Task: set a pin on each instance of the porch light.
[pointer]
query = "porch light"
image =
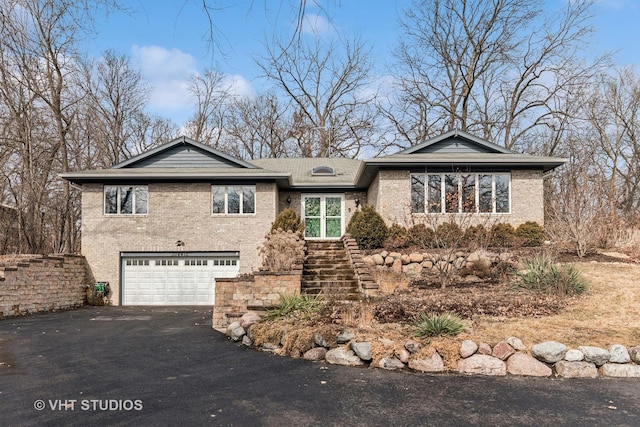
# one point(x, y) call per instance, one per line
point(357, 200)
point(288, 200)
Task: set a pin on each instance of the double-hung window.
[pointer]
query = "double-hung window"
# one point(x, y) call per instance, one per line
point(126, 200)
point(460, 193)
point(233, 199)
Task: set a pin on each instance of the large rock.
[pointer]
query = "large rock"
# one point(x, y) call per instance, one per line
point(413, 269)
point(405, 259)
point(619, 354)
point(412, 346)
point(388, 261)
point(483, 365)
point(620, 371)
point(484, 348)
point(402, 355)
point(395, 255)
point(468, 348)
point(430, 364)
point(596, 355)
point(574, 355)
point(247, 341)
point(315, 354)
point(250, 318)
point(235, 331)
point(567, 369)
point(377, 259)
point(634, 352)
point(362, 350)
point(549, 351)
point(516, 343)
point(416, 257)
point(523, 364)
point(502, 351)
point(344, 337)
point(343, 356)
point(319, 340)
point(397, 265)
point(390, 363)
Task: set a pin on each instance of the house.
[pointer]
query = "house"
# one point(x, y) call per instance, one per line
point(161, 226)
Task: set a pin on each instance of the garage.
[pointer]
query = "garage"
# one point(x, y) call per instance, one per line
point(174, 279)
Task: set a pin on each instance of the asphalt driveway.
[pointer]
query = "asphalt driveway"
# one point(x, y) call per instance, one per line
point(166, 366)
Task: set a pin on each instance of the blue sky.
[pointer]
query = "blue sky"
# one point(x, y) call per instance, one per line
point(167, 39)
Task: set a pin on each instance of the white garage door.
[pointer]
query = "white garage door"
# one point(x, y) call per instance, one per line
point(174, 280)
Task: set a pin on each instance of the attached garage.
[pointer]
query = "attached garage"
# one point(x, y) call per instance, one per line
point(174, 279)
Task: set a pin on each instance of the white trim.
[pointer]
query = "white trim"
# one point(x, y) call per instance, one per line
point(323, 216)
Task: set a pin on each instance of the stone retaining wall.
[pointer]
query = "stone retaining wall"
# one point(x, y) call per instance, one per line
point(237, 296)
point(43, 284)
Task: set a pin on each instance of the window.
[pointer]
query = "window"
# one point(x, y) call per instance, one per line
point(323, 170)
point(233, 199)
point(460, 193)
point(125, 200)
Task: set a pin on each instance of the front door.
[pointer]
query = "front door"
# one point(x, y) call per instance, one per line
point(323, 216)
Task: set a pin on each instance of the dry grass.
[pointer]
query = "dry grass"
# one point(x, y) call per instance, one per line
point(390, 281)
point(608, 314)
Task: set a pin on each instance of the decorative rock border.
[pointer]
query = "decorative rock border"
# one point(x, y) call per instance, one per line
point(511, 356)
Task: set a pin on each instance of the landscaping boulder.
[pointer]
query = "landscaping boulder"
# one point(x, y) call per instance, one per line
point(574, 355)
point(416, 257)
point(397, 265)
point(413, 269)
point(429, 364)
point(483, 365)
point(247, 341)
point(315, 354)
point(620, 371)
point(468, 348)
point(362, 350)
point(484, 348)
point(516, 343)
point(377, 259)
point(619, 354)
point(402, 355)
point(596, 355)
point(390, 363)
point(634, 353)
point(235, 331)
point(523, 364)
point(567, 369)
point(502, 350)
point(549, 351)
point(343, 356)
point(344, 337)
point(319, 340)
point(413, 346)
point(250, 318)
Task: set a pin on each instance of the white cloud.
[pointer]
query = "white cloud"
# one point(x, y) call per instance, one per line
point(239, 86)
point(168, 71)
point(316, 25)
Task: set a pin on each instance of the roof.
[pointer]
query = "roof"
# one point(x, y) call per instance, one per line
point(346, 170)
point(184, 159)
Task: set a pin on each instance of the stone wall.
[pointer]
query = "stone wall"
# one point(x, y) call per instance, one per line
point(237, 296)
point(43, 284)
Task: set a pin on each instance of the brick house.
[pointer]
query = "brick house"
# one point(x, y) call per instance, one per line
point(161, 226)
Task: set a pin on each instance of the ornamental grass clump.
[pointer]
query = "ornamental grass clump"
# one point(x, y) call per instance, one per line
point(433, 325)
point(296, 305)
point(541, 274)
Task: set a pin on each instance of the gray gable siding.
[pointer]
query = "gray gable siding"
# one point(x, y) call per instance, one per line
point(183, 156)
point(456, 146)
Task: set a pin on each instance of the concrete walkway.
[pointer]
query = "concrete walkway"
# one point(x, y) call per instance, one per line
point(166, 366)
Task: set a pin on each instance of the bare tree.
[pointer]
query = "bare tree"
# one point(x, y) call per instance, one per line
point(494, 68)
point(327, 84)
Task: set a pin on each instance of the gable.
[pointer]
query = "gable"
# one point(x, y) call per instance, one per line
point(456, 142)
point(183, 153)
point(183, 156)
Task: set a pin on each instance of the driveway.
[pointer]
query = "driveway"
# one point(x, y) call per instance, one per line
point(166, 366)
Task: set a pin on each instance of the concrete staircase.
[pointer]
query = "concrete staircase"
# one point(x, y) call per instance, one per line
point(328, 271)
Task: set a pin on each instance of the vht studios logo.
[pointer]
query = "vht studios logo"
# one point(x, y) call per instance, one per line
point(88, 405)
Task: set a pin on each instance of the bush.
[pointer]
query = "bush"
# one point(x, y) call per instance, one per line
point(296, 305)
point(288, 220)
point(397, 237)
point(477, 236)
point(368, 228)
point(503, 235)
point(448, 235)
point(541, 274)
point(282, 250)
point(433, 325)
point(530, 233)
point(421, 235)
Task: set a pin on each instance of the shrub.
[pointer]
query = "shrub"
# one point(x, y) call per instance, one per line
point(477, 236)
point(397, 236)
point(421, 235)
point(541, 274)
point(295, 305)
point(368, 228)
point(531, 233)
point(282, 250)
point(503, 234)
point(288, 220)
point(433, 325)
point(448, 234)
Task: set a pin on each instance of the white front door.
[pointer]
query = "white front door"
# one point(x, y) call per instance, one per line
point(323, 216)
